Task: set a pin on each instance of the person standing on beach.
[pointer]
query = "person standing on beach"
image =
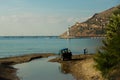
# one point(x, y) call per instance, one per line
point(85, 51)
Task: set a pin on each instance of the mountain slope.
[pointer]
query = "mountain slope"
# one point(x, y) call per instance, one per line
point(93, 26)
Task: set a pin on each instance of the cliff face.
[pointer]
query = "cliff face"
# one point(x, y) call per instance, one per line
point(95, 26)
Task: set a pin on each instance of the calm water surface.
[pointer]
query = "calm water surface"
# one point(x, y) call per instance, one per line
point(41, 69)
point(12, 46)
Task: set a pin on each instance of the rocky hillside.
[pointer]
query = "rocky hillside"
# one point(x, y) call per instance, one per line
point(95, 26)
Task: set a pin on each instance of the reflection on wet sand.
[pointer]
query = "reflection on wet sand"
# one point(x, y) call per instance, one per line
point(65, 68)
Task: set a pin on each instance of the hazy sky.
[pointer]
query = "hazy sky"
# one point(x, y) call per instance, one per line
point(46, 17)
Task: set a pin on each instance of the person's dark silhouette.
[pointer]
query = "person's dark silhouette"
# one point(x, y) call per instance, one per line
point(85, 51)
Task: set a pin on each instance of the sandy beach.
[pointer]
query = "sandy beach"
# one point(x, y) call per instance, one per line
point(81, 66)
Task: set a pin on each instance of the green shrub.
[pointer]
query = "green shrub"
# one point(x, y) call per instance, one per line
point(107, 57)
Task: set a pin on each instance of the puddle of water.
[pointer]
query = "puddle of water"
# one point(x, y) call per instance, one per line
point(41, 69)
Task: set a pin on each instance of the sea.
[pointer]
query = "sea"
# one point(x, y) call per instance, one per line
point(20, 45)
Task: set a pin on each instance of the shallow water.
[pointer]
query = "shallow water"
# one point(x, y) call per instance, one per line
point(41, 69)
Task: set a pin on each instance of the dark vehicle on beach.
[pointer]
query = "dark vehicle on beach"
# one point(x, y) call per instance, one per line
point(65, 54)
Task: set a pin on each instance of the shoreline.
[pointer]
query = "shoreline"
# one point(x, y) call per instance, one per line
point(8, 72)
point(81, 66)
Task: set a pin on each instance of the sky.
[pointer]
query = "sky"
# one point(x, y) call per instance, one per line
point(46, 17)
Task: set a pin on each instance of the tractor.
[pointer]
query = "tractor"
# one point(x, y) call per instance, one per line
point(65, 54)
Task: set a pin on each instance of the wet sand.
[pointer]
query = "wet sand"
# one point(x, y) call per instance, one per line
point(81, 66)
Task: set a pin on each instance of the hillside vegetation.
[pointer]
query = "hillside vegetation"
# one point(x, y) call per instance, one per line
point(95, 26)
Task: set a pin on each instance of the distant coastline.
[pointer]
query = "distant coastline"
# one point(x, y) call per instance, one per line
point(71, 37)
point(77, 37)
point(29, 36)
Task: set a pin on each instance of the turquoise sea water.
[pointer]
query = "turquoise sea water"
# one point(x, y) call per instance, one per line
point(20, 45)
